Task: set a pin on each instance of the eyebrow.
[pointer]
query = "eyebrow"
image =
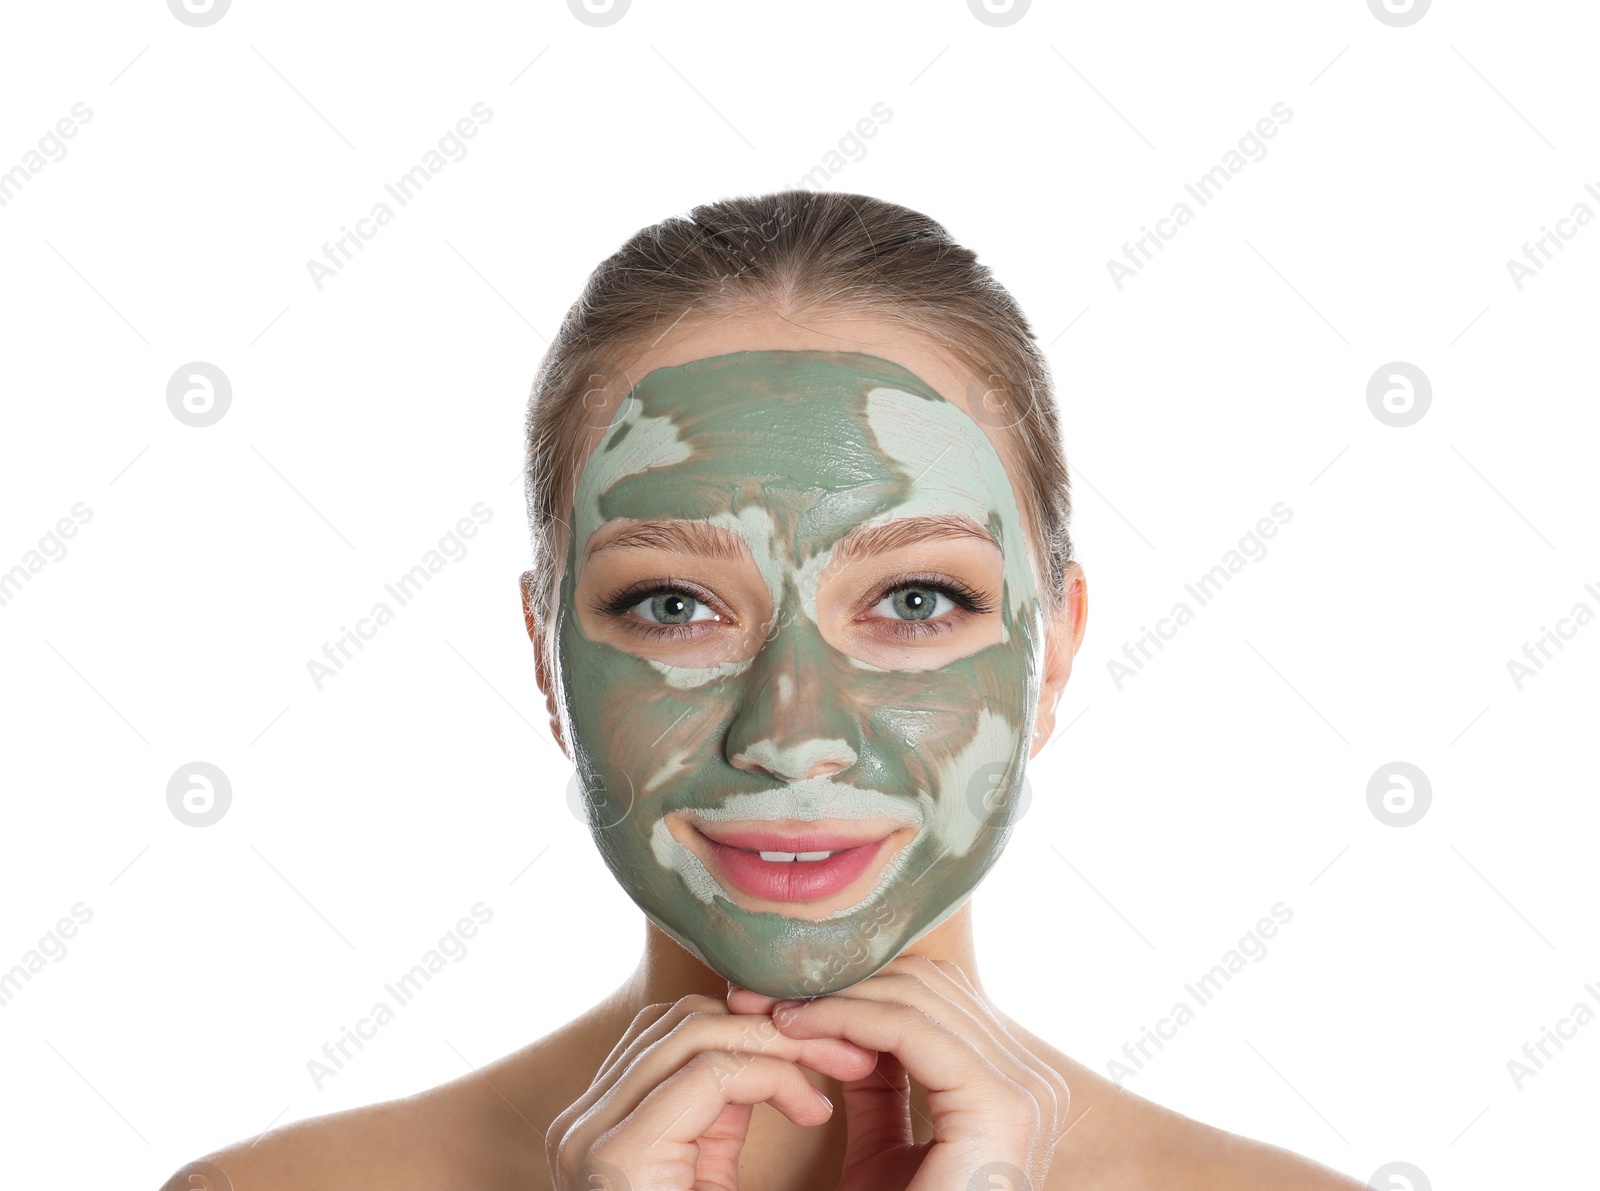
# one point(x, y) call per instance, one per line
point(878, 537)
point(683, 537)
point(710, 541)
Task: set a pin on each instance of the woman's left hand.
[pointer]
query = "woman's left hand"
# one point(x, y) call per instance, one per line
point(997, 1110)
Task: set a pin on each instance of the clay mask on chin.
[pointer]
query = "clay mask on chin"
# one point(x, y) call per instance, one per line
point(791, 451)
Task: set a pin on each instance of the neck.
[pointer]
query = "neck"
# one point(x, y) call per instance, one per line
point(667, 972)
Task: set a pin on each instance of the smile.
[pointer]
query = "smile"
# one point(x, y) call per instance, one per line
point(805, 865)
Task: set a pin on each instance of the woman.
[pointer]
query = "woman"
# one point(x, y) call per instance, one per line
point(803, 604)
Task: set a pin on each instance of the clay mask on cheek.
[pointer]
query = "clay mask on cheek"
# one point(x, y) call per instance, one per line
point(791, 451)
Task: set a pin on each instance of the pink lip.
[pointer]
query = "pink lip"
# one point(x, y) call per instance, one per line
point(735, 853)
point(774, 841)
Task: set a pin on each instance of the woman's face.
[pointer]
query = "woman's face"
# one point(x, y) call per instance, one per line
point(799, 650)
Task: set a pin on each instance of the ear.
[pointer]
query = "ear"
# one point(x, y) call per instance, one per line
point(541, 663)
point(1065, 636)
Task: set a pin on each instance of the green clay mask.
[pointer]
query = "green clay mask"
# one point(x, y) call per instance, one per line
point(750, 641)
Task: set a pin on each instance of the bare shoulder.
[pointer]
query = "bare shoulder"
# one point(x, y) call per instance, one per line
point(1119, 1141)
point(376, 1145)
point(484, 1130)
point(1200, 1157)
point(442, 1137)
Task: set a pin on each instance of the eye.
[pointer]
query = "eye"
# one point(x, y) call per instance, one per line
point(919, 602)
point(659, 609)
point(671, 607)
point(918, 608)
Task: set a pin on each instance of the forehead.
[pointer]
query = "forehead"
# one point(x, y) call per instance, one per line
point(821, 440)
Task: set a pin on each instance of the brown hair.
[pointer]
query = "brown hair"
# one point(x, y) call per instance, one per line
point(797, 250)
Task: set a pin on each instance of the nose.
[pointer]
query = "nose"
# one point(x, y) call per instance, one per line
point(795, 763)
point(794, 722)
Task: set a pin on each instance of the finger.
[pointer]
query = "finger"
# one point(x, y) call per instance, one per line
point(719, 1147)
point(746, 1034)
point(933, 1054)
point(945, 993)
point(877, 1106)
point(989, 1105)
point(1043, 1080)
point(1048, 1086)
point(913, 985)
point(660, 1026)
point(877, 1111)
point(1055, 1094)
point(642, 1021)
point(649, 1025)
point(979, 1113)
point(699, 1024)
point(745, 1000)
point(709, 1108)
point(667, 1124)
point(1004, 1102)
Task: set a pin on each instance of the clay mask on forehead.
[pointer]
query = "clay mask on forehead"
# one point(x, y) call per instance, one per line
point(790, 451)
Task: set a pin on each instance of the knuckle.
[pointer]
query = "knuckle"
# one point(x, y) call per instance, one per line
point(709, 1027)
point(689, 1023)
point(1063, 1112)
point(564, 1160)
point(642, 1019)
point(1018, 1100)
point(957, 973)
point(915, 1019)
point(760, 1031)
point(720, 1065)
point(1063, 1092)
point(701, 1004)
point(606, 1149)
point(562, 1130)
point(1050, 1107)
point(706, 1059)
point(1037, 1113)
point(907, 980)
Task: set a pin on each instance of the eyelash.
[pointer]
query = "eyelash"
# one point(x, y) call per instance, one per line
point(628, 598)
point(971, 602)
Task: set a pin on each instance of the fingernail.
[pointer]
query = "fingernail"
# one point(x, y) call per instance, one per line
point(824, 1099)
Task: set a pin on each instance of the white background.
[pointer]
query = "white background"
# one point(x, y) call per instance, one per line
point(371, 414)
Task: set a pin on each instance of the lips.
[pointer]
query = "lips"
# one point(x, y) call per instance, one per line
point(794, 867)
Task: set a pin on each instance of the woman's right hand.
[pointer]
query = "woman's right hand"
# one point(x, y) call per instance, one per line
point(670, 1106)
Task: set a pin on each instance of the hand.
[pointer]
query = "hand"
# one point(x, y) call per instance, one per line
point(997, 1110)
point(670, 1106)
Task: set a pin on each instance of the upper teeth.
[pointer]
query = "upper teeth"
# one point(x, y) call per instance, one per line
point(785, 856)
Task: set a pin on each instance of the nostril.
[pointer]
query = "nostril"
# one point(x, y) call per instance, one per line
point(825, 769)
point(740, 761)
point(794, 762)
